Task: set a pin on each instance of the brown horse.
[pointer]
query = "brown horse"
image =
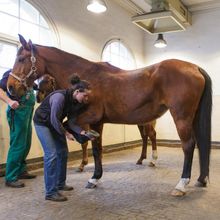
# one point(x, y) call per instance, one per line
point(47, 84)
point(130, 97)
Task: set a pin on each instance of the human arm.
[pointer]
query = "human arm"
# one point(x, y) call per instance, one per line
point(12, 103)
point(57, 101)
point(74, 127)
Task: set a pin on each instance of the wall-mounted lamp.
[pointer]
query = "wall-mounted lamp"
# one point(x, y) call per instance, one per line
point(96, 6)
point(160, 42)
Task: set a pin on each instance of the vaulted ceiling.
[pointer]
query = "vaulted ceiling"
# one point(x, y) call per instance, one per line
point(150, 17)
point(142, 6)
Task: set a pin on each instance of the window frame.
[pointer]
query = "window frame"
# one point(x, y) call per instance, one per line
point(120, 41)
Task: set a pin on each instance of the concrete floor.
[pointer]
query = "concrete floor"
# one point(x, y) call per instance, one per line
point(127, 191)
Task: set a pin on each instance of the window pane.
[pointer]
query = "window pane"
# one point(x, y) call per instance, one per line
point(28, 12)
point(115, 48)
point(123, 50)
point(118, 55)
point(2, 71)
point(115, 60)
point(25, 20)
point(9, 6)
point(11, 26)
point(30, 31)
point(46, 37)
point(43, 22)
point(106, 56)
point(7, 56)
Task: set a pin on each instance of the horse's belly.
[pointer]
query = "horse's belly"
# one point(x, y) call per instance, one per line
point(138, 116)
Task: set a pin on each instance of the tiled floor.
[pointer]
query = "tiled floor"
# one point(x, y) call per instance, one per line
point(126, 191)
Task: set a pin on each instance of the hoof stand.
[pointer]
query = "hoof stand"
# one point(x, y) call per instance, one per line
point(177, 193)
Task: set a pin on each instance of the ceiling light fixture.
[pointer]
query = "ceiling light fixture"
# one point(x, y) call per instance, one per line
point(96, 6)
point(160, 42)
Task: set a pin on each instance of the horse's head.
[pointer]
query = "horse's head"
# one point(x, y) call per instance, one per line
point(47, 84)
point(27, 68)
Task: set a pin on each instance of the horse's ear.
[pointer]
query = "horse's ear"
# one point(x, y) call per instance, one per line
point(23, 42)
point(30, 45)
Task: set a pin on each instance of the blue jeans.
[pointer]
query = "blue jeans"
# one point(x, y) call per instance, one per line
point(55, 158)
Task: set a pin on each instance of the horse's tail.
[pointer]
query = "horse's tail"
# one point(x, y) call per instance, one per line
point(202, 127)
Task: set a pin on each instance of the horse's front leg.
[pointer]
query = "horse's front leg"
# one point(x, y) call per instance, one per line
point(84, 161)
point(84, 146)
point(144, 136)
point(97, 154)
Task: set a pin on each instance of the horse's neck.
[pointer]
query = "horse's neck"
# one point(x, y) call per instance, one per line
point(61, 65)
point(60, 62)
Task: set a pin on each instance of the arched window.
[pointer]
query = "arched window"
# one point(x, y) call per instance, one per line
point(117, 54)
point(19, 16)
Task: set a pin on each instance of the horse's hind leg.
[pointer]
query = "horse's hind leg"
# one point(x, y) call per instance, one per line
point(185, 132)
point(144, 135)
point(152, 136)
point(84, 161)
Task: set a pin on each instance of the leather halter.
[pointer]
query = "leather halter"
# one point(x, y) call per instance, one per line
point(33, 70)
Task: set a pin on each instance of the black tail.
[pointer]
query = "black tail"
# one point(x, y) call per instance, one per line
point(202, 127)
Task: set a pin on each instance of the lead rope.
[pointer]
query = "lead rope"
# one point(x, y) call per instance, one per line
point(12, 113)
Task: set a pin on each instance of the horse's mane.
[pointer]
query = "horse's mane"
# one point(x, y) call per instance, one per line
point(105, 66)
point(69, 57)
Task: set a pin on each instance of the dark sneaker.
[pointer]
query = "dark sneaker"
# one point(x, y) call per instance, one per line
point(26, 175)
point(56, 198)
point(14, 184)
point(65, 188)
point(91, 134)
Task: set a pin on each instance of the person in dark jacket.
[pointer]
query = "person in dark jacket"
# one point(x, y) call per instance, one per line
point(52, 133)
point(19, 117)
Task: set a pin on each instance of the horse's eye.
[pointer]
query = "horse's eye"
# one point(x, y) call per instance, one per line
point(21, 59)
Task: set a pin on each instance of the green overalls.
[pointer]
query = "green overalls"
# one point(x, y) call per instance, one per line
point(20, 123)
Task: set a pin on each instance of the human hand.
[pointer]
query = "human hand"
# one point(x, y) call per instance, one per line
point(83, 132)
point(69, 136)
point(13, 104)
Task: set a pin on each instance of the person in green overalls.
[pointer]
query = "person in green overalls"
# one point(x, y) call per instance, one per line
point(19, 116)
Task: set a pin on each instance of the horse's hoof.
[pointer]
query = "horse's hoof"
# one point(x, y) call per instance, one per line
point(79, 169)
point(139, 162)
point(177, 193)
point(90, 185)
point(151, 164)
point(200, 184)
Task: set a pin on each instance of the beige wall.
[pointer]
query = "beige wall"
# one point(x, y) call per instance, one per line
point(199, 44)
point(83, 33)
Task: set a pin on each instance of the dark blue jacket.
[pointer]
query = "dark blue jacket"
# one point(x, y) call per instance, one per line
point(55, 107)
point(3, 84)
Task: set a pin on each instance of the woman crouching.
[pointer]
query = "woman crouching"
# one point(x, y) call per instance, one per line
point(48, 122)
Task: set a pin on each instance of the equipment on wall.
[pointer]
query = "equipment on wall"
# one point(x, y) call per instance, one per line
point(165, 16)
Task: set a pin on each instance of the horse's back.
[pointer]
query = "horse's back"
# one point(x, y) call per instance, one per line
point(178, 76)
